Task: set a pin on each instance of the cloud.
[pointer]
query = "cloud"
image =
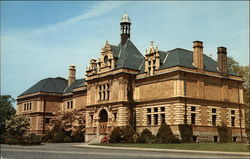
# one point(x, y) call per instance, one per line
point(95, 11)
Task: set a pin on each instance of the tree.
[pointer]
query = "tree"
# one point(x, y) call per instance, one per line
point(243, 71)
point(17, 126)
point(6, 111)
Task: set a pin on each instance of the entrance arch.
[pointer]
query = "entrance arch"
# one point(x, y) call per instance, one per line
point(103, 121)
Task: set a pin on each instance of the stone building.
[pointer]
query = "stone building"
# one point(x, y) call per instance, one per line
point(124, 86)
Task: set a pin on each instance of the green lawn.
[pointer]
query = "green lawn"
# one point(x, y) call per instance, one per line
point(228, 147)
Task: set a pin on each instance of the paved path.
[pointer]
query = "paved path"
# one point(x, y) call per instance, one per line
point(80, 151)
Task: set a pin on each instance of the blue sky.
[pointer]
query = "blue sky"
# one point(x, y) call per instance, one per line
point(41, 39)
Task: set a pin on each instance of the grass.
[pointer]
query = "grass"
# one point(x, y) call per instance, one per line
point(228, 147)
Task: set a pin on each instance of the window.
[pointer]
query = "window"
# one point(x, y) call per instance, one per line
point(149, 63)
point(232, 112)
point(194, 138)
point(234, 138)
point(149, 119)
point(69, 104)
point(47, 120)
point(156, 119)
point(213, 110)
point(162, 118)
point(106, 60)
point(27, 106)
point(163, 109)
point(214, 120)
point(193, 118)
point(149, 110)
point(193, 108)
point(115, 116)
point(153, 62)
point(104, 92)
point(155, 109)
point(91, 118)
point(215, 138)
point(232, 121)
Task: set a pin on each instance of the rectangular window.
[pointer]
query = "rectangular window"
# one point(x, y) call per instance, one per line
point(162, 118)
point(149, 119)
point(149, 110)
point(71, 104)
point(156, 119)
point(91, 118)
point(163, 109)
point(234, 138)
point(232, 121)
point(47, 120)
point(67, 105)
point(214, 120)
point(213, 110)
point(215, 138)
point(193, 118)
point(193, 108)
point(30, 106)
point(232, 112)
point(115, 116)
point(155, 109)
point(24, 108)
point(149, 63)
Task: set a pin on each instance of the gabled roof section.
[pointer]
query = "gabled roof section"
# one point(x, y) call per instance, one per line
point(48, 85)
point(129, 56)
point(76, 84)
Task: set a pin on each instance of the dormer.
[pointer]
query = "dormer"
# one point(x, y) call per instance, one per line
point(152, 60)
point(107, 61)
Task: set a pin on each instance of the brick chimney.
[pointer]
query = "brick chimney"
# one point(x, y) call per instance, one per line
point(72, 74)
point(222, 59)
point(198, 54)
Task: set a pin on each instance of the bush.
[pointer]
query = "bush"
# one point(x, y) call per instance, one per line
point(165, 134)
point(47, 136)
point(225, 134)
point(78, 137)
point(31, 139)
point(12, 141)
point(141, 139)
point(115, 136)
point(186, 132)
point(59, 137)
point(127, 134)
point(67, 139)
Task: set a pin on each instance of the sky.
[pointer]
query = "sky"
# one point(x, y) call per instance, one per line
point(41, 39)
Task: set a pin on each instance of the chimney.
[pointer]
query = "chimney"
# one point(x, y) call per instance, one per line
point(198, 54)
point(222, 59)
point(72, 74)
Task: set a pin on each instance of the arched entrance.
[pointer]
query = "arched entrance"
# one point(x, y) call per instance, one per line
point(103, 121)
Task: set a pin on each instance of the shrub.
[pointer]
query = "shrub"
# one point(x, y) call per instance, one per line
point(12, 141)
point(47, 136)
point(186, 132)
point(127, 134)
point(59, 137)
point(165, 134)
point(78, 137)
point(115, 136)
point(67, 139)
point(224, 133)
point(141, 139)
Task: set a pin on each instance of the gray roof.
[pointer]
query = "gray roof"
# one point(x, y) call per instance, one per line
point(76, 84)
point(128, 56)
point(184, 58)
point(48, 85)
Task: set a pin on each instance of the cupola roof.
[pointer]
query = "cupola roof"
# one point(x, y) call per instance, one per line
point(125, 18)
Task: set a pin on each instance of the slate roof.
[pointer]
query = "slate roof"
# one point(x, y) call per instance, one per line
point(48, 85)
point(128, 56)
point(76, 84)
point(184, 58)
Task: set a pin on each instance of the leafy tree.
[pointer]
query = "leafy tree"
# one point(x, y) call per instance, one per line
point(186, 132)
point(244, 72)
point(17, 126)
point(6, 111)
point(225, 133)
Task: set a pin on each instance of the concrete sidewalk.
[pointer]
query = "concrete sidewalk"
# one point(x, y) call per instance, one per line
point(236, 154)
